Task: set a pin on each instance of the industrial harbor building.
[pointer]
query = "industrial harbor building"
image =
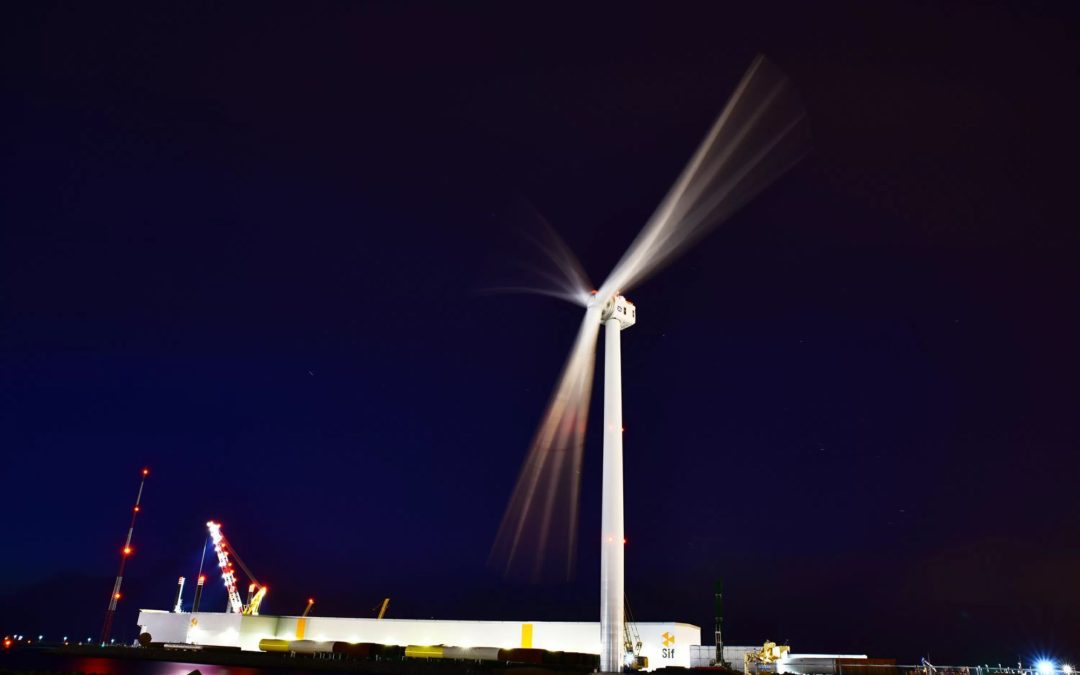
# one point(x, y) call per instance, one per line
point(664, 643)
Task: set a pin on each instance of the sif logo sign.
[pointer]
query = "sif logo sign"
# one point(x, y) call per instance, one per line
point(668, 652)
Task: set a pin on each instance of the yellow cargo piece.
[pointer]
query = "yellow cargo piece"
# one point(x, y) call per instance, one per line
point(274, 645)
point(423, 652)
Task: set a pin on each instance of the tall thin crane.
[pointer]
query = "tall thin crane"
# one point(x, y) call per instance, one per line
point(632, 641)
point(106, 629)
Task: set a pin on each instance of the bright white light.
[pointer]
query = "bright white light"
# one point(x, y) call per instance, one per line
point(1067, 669)
point(1045, 667)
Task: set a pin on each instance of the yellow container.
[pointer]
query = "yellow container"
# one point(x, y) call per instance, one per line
point(274, 645)
point(419, 652)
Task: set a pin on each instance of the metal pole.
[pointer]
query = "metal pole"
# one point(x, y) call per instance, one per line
point(200, 579)
point(718, 613)
point(177, 606)
point(198, 594)
point(612, 597)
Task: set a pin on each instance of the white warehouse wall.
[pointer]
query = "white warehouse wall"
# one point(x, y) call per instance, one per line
point(665, 644)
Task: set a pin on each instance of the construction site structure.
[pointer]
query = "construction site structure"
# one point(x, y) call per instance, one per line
point(256, 591)
point(770, 652)
point(632, 642)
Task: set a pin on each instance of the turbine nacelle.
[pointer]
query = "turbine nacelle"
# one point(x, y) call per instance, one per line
point(618, 307)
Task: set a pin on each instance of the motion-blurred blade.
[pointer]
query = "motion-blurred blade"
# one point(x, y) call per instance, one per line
point(538, 535)
point(760, 134)
point(561, 274)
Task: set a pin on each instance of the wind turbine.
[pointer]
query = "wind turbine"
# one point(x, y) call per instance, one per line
point(759, 135)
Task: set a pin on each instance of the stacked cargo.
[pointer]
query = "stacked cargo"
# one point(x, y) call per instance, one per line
point(371, 650)
point(423, 652)
point(471, 653)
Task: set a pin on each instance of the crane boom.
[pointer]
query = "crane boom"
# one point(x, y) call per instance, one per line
point(228, 574)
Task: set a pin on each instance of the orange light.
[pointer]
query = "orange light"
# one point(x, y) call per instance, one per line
point(251, 588)
point(7, 643)
point(202, 578)
point(311, 601)
point(146, 472)
point(136, 509)
point(116, 595)
point(127, 550)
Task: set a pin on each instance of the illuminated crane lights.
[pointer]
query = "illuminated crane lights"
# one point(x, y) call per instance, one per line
point(228, 575)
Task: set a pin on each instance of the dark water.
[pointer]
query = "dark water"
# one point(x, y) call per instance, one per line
point(32, 660)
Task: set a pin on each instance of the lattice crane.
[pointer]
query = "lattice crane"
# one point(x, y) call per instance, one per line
point(228, 574)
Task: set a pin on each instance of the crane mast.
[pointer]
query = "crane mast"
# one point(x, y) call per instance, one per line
point(228, 574)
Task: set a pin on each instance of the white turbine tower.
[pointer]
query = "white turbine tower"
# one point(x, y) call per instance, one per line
point(618, 314)
point(758, 136)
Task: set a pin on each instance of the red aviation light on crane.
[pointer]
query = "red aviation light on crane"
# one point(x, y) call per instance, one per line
point(146, 472)
point(202, 578)
point(127, 550)
point(116, 595)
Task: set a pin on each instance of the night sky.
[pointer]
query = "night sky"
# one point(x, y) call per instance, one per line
point(247, 245)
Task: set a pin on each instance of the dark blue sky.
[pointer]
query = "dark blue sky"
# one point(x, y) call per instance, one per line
point(245, 245)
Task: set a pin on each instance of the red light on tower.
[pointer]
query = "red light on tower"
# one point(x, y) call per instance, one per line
point(116, 596)
point(127, 550)
point(146, 472)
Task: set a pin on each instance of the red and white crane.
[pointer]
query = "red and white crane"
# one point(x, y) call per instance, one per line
point(228, 574)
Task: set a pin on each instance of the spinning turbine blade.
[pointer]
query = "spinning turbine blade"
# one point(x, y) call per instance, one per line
point(563, 277)
point(760, 134)
point(571, 283)
point(538, 535)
